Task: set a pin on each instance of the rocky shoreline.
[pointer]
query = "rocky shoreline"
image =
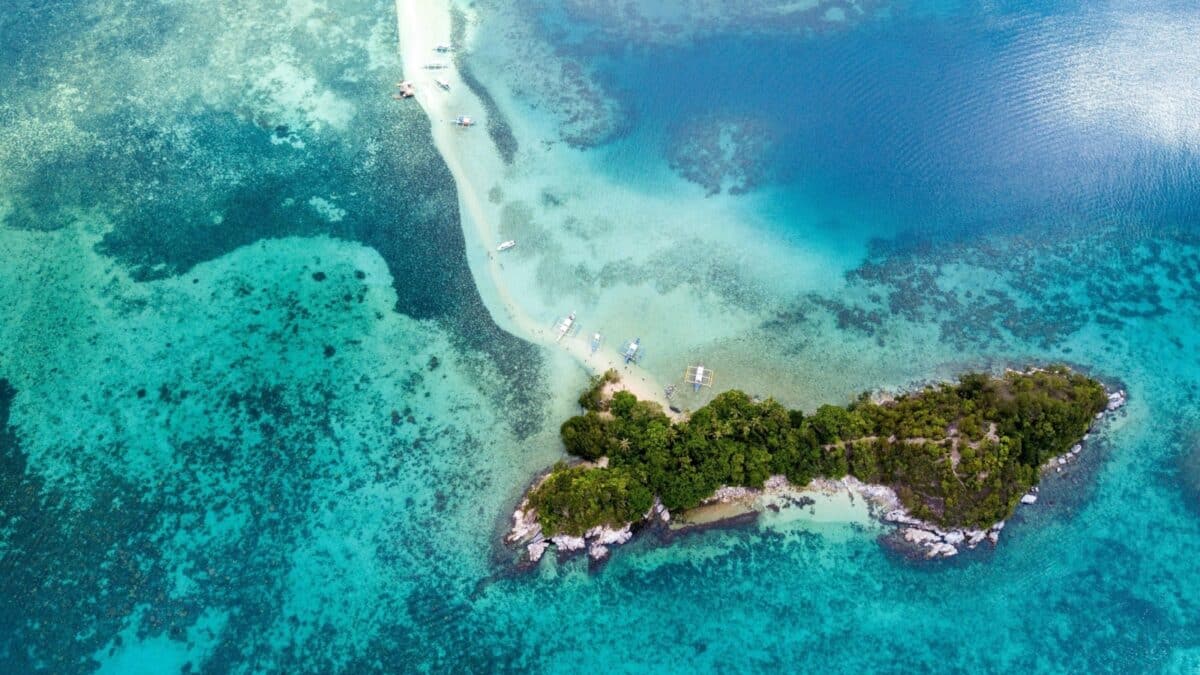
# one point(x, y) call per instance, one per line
point(912, 536)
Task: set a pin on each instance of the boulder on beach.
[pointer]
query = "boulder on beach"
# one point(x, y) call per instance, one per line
point(1029, 499)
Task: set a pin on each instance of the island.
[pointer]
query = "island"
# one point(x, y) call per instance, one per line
point(948, 463)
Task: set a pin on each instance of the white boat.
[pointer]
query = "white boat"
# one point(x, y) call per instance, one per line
point(504, 246)
point(564, 327)
point(632, 351)
point(596, 339)
point(464, 121)
point(442, 83)
point(442, 49)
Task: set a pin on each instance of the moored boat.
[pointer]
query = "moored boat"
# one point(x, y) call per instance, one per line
point(504, 246)
point(565, 327)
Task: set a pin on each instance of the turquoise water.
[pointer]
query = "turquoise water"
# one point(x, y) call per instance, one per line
point(255, 417)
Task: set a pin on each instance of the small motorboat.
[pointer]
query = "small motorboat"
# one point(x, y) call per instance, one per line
point(504, 246)
point(443, 49)
point(464, 121)
point(441, 82)
point(596, 340)
point(407, 90)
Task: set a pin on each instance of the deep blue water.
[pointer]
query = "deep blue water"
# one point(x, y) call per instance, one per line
point(935, 125)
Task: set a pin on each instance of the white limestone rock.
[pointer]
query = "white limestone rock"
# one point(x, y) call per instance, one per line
point(1115, 400)
point(902, 517)
point(536, 550)
point(954, 537)
point(915, 536)
point(565, 542)
point(1029, 499)
point(940, 550)
point(525, 524)
point(604, 535)
point(597, 551)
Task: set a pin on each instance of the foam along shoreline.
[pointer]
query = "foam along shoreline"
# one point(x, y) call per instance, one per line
point(475, 162)
point(737, 505)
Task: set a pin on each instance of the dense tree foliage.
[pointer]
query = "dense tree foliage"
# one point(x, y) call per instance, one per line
point(573, 500)
point(959, 455)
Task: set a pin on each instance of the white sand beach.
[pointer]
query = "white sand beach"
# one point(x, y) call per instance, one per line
point(475, 163)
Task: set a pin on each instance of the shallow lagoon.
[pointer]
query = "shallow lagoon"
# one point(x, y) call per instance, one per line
point(191, 475)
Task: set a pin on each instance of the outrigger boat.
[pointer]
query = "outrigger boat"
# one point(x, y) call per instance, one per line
point(632, 351)
point(442, 83)
point(507, 245)
point(596, 339)
point(464, 121)
point(436, 66)
point(442, 49)
point(698, 376)
point(565, 327)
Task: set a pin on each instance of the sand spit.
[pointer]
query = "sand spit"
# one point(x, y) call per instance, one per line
point(475, 162)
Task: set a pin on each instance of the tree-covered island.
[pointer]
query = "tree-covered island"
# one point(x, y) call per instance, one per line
point(957, 455)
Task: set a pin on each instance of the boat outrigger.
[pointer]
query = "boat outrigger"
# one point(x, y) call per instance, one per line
point(698, 376)
point(464, 121)
point(565, 327)
point(632, 351)
point(441, 82)
point(596, 340)
point(504, 246)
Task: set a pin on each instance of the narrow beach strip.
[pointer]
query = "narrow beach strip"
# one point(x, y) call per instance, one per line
point(475, 163)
